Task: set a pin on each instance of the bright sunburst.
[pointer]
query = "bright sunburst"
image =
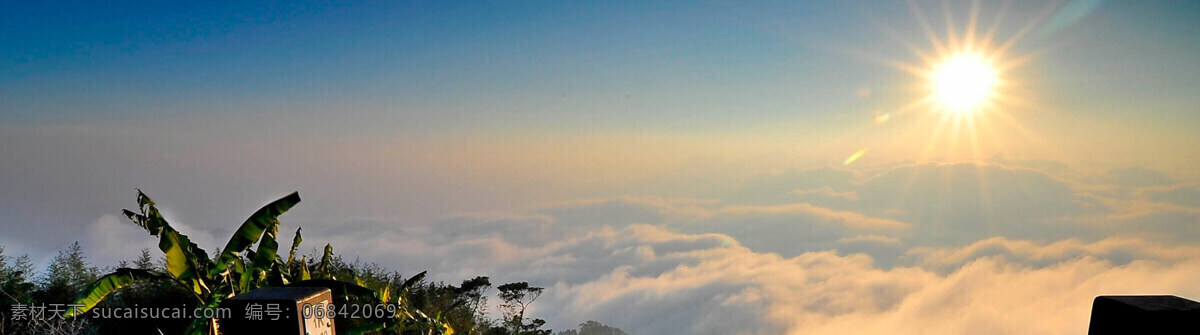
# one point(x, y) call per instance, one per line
point(963, 83)
point(965, 93)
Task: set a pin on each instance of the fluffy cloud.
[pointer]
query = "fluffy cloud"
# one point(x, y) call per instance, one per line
point(111, 239)
point(1117, 250)
point(733, 290)
point(650, 279)
point(984, 248)
point(787, 229)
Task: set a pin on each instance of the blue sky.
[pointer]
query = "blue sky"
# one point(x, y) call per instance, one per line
point(660, 141)
point(669, 66)
point(564, 64)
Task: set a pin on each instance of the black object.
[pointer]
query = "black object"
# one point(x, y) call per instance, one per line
point(1144, 314)
point(279, 310)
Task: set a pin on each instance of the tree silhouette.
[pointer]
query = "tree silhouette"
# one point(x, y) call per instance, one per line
point(515, 298)
point(66, 276)
point(593, 328)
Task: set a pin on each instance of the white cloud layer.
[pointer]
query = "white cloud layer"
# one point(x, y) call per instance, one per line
point(982, 248)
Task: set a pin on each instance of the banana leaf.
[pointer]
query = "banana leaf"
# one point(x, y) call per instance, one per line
point(185, 260)
point(250, 231)
point(110, 283)
point(295, 244)
point(304, 275)
point(276, 276)
point(264, 257)
point(233, 277)
point(345, 293)
point(385, 292)
point(151, 220)
point(326, 259)
point(408, 284)
point(180, 262)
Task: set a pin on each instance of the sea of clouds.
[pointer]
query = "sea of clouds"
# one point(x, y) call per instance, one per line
point(996, 247)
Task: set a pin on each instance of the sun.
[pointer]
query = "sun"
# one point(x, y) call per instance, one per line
point(967, 92)
point(963, 83)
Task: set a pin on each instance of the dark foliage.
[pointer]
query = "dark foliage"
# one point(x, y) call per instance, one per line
point(464, 306)
point(593, 328)
point(186, 278)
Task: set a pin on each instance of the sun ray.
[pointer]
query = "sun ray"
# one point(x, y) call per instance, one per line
point(972, 21)
point(1015, 62)
point(965, 108)
point(973, 138)
point(1026, 29)
point(938, 47)
point(914, 69)
point(935, 137)
point(951, 36)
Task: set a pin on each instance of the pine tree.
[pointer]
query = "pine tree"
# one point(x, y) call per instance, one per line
point(14, 280)
point(66, 276)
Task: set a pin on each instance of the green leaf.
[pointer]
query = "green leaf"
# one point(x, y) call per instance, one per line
point(264, 257)
point(201, 326)
point(326, 259)
point(345, 294)
point(110, 283)
point(408, 284)
point(276, 276)
point(234, 276)
point(185, 261)
point(180, 262)
point(385, 293)
point(252, 229)
point(304, 275)
point(295, 244)
point(152, 224)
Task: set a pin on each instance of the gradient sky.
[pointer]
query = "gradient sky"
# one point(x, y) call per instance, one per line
point(660, 139)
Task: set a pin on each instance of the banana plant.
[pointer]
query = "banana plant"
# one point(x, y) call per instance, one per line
point(240, 267)
point(356, 292)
